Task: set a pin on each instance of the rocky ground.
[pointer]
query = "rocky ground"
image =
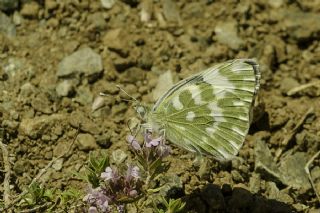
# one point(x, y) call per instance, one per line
point(56, 56)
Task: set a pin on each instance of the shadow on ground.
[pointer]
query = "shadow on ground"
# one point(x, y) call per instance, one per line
point(213, 198)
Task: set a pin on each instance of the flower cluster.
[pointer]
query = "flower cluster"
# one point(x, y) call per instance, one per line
point(115, 189)
point(150, 146)
point(116, 186)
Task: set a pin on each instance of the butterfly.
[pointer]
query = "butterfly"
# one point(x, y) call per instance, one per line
point(208, 113)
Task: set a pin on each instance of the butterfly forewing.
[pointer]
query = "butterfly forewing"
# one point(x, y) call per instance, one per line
point(209, 113)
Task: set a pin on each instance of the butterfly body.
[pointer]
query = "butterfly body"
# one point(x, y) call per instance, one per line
point(209, 112)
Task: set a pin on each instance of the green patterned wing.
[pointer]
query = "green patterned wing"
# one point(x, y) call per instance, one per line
point(209, 113)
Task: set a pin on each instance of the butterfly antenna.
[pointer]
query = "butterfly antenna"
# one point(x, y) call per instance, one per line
point(127, 93)
point(107, 95)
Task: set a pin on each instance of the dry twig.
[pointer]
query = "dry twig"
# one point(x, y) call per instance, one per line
point(306, 168)
point(295, 90)
point(7, 170)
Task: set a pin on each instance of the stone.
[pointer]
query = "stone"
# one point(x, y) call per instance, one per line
point(41, 104)
point(84, 96)
point(51, 5)
point(171, 12)
point(17, 18)
point(264, 163)
point(301, 26)
point(272, 190)
point(115, 40)
point(97, 21)
point(226, 33)
point(287, 84)
point(38, 126)
point(6, 25)
point(26, 90)
point(107, 4)
point(86, 142)
point(13, 67)
point(146, 10)
point(84, 61)
point(65, 88)
point(30, 9)
point(98, 103)
point(254, 183)
point(292, 168)
point(78, 119)
point(57, 165)
point(276, 3)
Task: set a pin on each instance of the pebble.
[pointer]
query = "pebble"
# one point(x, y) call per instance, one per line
point(17, 18)
point(146, 10)
point(276, 3)
point(86, 142)
point(51, 5)
point(78, 119)
point(98, 103)
point(301, 26)
point(107, 4)
point(84, 61)
point(171, 12)
point(57, 165)
point(226, 33)
point(264, 163)
point(272, 190)
point(254, 183)
point(26, 90)
point(36, 127)
point(115, 40)
point(287, 84)
point(6, 25)
point(294, 175)
point(97, 21)
point(30, 9)
point(64, 88)
point(84, 96)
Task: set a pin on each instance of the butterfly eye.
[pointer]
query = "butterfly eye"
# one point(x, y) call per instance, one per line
point(141, 111)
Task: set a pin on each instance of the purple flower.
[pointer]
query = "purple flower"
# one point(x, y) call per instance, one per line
point(134, 143)
point(163, 150)
point(133, 172)
point(151, 142)
point(108, 174)
point(98, 200)
point(93, 209)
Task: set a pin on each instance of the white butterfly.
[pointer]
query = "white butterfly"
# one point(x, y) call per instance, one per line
point(208, 113)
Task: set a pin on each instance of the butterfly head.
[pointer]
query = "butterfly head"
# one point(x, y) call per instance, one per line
point(141, 110)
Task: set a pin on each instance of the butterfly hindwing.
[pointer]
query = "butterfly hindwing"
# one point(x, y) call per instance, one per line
point(209, 113)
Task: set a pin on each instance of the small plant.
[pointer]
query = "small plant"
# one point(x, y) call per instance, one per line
point(173, 206)
point(116, 186)
point(39, 197)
